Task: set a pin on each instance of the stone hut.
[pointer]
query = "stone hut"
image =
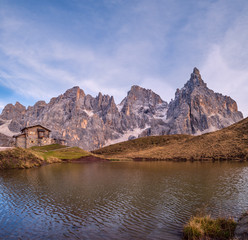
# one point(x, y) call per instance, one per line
point(36, 135)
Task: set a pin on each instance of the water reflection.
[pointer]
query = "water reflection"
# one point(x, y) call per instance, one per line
point(137, 200)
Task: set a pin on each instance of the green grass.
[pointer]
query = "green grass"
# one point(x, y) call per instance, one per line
point(48, 147)
point(60, 152)
point(68, 153)
point(208, 228)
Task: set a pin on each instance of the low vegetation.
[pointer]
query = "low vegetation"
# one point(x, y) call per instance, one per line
point(208, 228)
point(22, 158)
point(230, 143)
point(48, 147)
point(60, 152)
point(37, 156)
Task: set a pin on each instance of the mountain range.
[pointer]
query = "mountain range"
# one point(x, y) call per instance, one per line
point(94, 122)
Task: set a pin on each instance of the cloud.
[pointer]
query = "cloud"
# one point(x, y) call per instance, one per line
point(159, 86)
point(225, 79)
point(42, 66)
point(225, 67)
point(109, 46)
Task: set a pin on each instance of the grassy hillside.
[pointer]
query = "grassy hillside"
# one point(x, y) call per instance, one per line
point(60, 152)
point(22, 158)
point(37, 156)
point(230, 143)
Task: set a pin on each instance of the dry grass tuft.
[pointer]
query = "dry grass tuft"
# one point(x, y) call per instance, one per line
point(199, 228)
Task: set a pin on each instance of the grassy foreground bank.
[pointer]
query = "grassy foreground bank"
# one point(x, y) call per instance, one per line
point(38, 156)
point(199, 228)
point(22, 158)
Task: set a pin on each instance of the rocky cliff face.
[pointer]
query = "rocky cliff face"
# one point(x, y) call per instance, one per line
point(90, 123)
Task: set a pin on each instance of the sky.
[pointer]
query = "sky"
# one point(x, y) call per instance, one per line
point(49, 46)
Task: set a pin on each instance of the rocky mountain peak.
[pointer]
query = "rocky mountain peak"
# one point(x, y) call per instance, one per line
point(19, 106)
point(142, 106)
point(99, 96)
point(40, 104)
point(11, 111)
point(142, 96)
point(37, 109)
point(136, 88)
point(195, 80)
point(197, 72)
point(197, 109)
point(74, 93)
point(102, 101)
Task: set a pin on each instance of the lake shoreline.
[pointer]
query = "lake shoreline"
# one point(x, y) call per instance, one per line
point(18, 158)
point(86, 159)
point(182, 159)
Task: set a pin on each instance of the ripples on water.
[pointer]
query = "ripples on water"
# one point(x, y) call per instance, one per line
point(137, 200)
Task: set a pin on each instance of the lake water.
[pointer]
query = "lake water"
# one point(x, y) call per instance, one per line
point(117, 200)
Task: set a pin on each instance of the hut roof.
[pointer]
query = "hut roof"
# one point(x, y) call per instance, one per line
point(37, 125)
point(18, 135)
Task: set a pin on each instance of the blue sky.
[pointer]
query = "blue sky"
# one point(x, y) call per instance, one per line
point(49, 46)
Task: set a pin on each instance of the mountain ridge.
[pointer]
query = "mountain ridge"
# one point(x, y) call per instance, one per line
point(92, 122)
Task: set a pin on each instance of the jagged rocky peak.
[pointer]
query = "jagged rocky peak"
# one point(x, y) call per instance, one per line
point(143, 95)
point(195, 80)
point(196, 73)
point(11, 111)
point(37, 105)
point(74, 93)
point(37, 109)
point(102, 99)
point(141, 100)
point(197, 109)
point(104, 104)
point(20, 106)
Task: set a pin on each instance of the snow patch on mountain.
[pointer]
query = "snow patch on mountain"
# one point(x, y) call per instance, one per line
point(119, 107)
point(210, 129)
point(133, 133)
point(4, 129)
point(90, 113)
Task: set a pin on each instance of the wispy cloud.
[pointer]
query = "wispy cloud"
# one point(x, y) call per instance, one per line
point(226, 79)
point(225, 67)
point(35, 67)
point(108, 46)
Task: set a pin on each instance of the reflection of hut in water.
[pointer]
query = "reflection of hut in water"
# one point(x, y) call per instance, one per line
point(36, 135)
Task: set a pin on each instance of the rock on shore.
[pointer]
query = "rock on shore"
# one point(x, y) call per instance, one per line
point(241, 231)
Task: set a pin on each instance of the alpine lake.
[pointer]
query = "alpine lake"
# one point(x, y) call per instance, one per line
point(118, 200)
